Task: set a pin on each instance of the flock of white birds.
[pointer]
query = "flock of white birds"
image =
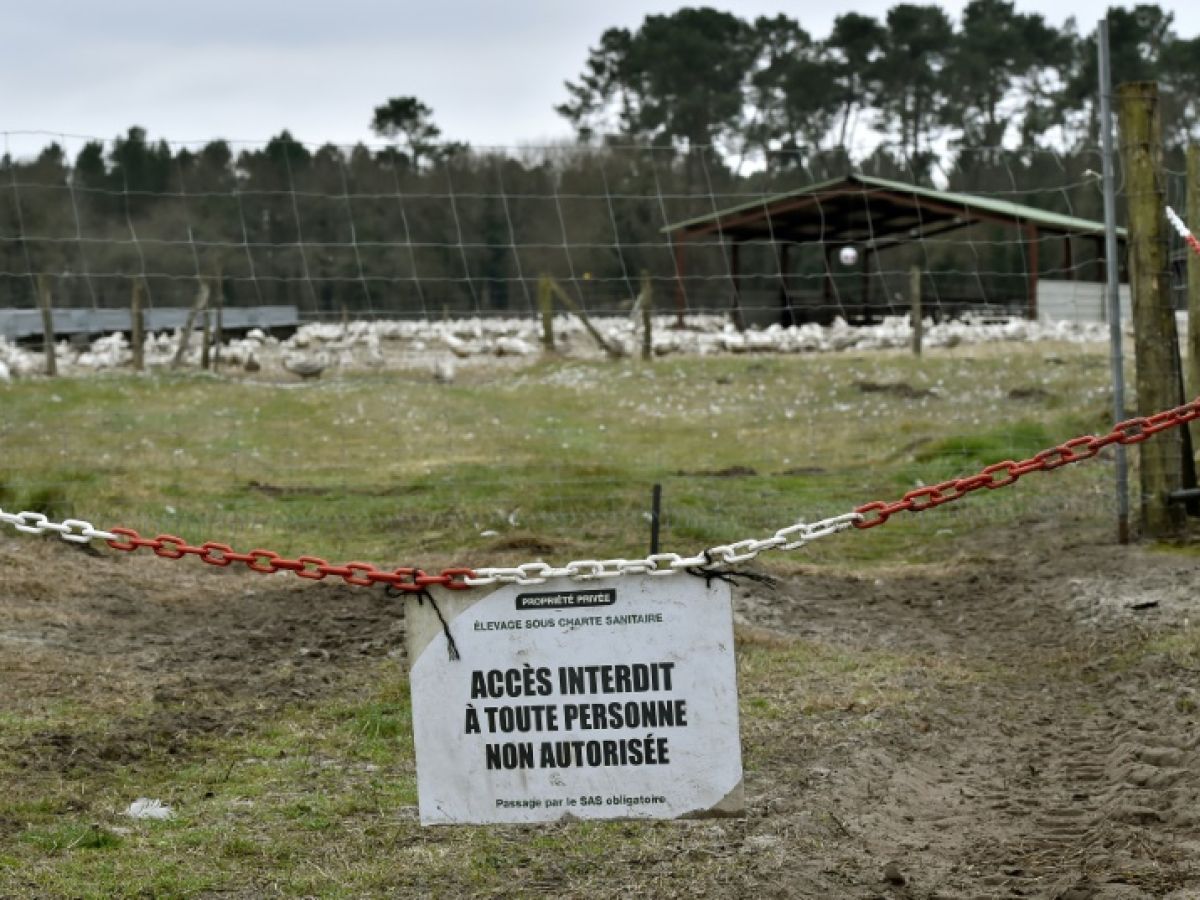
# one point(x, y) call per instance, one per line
point(437, 346)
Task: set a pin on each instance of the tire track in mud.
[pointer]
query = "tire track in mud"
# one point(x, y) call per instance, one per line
point(1069, 768)
point(1103, 764)
point(1101, 806)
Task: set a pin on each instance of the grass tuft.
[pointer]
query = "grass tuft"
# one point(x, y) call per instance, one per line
point(71, 837)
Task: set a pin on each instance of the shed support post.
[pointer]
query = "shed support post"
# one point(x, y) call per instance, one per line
point(680, 292)
point(1031, 307)
point(868, 319)
point(827, 288)
point(735, 275)
point(916, 315)
point(787, 317)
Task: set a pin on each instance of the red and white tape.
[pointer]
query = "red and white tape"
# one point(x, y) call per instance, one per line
point(1184, 232)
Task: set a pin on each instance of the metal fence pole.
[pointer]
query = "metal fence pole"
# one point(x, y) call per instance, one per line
point(1116, 355)
point(916, 316)
point(655, 517)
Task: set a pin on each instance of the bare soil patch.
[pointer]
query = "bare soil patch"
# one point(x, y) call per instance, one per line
point(172, 651)
point(896, 389)
point(1027, 726)
point(1065, 763)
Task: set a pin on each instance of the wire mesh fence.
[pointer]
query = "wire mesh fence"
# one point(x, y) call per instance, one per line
point(430, 433)
point(360, 231)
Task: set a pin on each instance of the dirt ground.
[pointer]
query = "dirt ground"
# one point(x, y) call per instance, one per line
point(1047, 746)
point(1071, 771)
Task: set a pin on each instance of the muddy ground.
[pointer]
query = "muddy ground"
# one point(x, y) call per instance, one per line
point(1063, 760)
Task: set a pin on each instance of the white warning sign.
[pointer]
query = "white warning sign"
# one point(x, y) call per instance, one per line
point(570, 700)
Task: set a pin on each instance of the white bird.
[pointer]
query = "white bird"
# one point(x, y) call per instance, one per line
point(513, 346)
point(305, 366)
point(146, 808)
point(456, 346)
point(374, 357)
point(443, 371)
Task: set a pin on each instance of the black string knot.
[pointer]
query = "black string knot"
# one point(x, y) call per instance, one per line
point(711, 571)
point(422, 595)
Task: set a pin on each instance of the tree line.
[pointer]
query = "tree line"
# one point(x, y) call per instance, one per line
point(911, 83)
point(690, 112)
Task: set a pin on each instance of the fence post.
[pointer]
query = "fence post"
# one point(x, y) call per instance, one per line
point(647, 299)
point(1116, 354)
point(569, 302)
point(44, 304)
point(914, 295)
point(185, 336)
point(545, 301)
point(1156, 342)
point(219, 296)
point(655, 517)
point(1193, 271)
point(137, 326)
point(205, 338)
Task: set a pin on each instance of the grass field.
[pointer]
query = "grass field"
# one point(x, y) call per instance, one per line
point(400, 469)
point(306, 787)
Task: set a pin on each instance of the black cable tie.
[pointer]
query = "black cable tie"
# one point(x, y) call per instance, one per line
point(710, 572)
point(422, 595)
point(451, 647)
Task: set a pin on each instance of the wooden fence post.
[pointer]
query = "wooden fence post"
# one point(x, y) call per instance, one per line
point(916, 315)
point(185, 336)
point(1156, 342)
point(137, 325)
point(545, 301)
point(205, 338)
point(45, 301)
point(569, 302)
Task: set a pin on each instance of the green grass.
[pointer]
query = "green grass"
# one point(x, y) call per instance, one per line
point(399, 470)
point(71, 837)
point(317, 799)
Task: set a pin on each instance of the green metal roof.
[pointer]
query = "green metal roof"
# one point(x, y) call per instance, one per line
point(956, 209)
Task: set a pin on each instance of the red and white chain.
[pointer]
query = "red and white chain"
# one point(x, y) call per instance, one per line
point(167, 546)
point(76, 531)
point(792, 537)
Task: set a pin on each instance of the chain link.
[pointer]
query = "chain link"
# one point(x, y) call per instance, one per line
point(1002, 474)
point(268, 562)
point(76, 531)
point(791, 537)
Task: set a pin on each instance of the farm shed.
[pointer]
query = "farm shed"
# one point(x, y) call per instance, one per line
point(875, 215)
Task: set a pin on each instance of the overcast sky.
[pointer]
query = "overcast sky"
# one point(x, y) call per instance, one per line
point(245, 69)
